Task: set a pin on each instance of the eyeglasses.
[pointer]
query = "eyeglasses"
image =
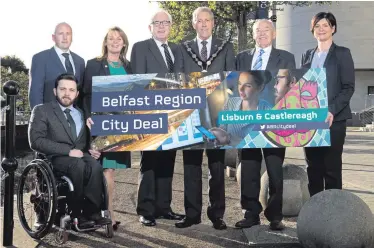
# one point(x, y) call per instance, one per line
point(158, 23)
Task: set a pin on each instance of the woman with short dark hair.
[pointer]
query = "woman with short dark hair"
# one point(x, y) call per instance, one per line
point(325, 163)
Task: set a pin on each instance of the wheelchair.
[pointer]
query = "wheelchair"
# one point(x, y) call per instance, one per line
point(46, 191)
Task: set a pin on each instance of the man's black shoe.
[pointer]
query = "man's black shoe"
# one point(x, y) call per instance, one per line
point(170, 216)
point(187, 222)
point(99, 220)
point(219, 224)
point(277, 225)
point(247, 223)
point(147, 221)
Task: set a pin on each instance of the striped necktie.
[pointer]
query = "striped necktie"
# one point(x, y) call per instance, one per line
point(169, 60)
point(258, 63)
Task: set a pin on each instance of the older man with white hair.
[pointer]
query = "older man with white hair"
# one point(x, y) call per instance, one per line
point(263, 57)
point(156, 55)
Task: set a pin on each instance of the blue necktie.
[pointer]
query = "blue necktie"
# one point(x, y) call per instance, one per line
point(258, 63)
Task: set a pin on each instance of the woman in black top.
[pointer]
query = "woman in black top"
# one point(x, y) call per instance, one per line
point(325, 163)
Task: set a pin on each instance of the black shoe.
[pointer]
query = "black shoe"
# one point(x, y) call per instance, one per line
point(84, 223)
point(219, 224)
point(99, 220)
point(115, 226)
point(187, 222)
point(170, 216)
point(247, 223)
point(147, 221)
point(277, 225)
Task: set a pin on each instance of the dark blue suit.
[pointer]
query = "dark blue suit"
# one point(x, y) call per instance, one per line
point(46, 66)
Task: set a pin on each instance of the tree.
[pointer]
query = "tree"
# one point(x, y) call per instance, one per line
point(232, 19)
point(12, 68)
point(14, 63)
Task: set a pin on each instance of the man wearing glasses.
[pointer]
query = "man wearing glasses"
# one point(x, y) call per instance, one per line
point(263, 57)
point(156, 55)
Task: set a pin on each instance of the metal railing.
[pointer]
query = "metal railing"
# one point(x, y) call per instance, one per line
point(9, 164)
point(21, 118)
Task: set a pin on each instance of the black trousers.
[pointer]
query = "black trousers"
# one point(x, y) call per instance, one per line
point(251, 159)
point(325, 163)
point(155, 183)
point(86, 174)
point(192, 161)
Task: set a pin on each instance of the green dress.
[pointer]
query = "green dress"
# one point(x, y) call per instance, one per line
point(115, 160)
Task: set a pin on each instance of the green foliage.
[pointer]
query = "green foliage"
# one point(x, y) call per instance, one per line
point(15, 69)
point(14, 63)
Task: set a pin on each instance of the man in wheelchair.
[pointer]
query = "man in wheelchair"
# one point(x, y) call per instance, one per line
point(57, 129)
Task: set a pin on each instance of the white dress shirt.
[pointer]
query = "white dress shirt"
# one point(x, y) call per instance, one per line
point(162, 50)
point(265, 57)
point(62, 58)
point(208, 45)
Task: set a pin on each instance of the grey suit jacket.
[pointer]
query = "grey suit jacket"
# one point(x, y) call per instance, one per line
point(46, 66)
point(279, 59)
point(340, 76)
point(147, 58)
point(49, 132)
point(225, 61)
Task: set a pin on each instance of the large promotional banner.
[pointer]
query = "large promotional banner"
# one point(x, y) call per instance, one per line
point(248, 109)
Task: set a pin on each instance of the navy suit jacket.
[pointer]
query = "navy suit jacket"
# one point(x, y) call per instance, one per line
point(340, 77)
point(46, 66)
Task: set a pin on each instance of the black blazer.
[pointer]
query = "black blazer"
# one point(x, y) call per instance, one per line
point(96, 67)
point(225, 61)
point(340, 76)
point(147, 58)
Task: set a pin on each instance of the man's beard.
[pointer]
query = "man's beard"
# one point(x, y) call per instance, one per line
point(60, 101)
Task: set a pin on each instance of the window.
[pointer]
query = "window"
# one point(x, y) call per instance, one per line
point(370, 90)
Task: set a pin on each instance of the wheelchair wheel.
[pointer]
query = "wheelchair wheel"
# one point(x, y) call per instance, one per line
point(37, 194)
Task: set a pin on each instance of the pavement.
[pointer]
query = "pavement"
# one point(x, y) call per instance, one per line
point(358, 172)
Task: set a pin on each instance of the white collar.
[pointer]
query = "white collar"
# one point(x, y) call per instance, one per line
point(159, 43)
point(267, 50)
point(209, 40)
point(59, 51)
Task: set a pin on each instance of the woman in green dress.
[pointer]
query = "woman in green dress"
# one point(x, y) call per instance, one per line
point(112, 62)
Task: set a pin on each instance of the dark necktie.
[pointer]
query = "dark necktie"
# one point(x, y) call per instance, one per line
point(71, 123)
point(204, 51)
point(168, 58)
point(68, 65)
